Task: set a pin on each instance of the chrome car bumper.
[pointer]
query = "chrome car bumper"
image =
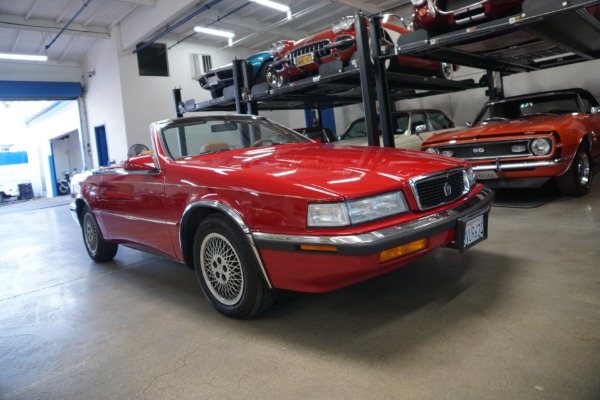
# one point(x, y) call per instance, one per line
point(500, 166)
point(382, 239)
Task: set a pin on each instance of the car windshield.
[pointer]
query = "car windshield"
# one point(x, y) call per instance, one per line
point(525, 107)
point(189, 138)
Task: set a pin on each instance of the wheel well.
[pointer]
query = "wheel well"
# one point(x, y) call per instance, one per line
point(79, 204)
point(188, 230)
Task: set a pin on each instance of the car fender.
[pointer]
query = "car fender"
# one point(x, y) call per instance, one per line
point(193, 215)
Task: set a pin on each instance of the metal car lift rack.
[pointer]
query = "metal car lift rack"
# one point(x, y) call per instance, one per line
point(546, 34)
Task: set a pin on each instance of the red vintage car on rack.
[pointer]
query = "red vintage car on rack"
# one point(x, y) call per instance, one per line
point(254, 207)
point(447, 14)
point(299, 59)
point(527, 140)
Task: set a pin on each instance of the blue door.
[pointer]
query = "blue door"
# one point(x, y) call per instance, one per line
point(101, 145)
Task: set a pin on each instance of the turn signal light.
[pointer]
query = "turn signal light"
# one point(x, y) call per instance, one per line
point(403, 250)
point(423, 12)
point(311, 247)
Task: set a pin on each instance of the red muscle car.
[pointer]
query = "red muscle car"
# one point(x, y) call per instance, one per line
point(299, 59)
point(527, 140)
point(254, 207)
point(447, 14)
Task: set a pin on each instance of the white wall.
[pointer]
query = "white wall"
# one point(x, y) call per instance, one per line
point(104, 99)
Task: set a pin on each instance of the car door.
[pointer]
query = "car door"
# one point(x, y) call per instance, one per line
point(132, 207)
point(410, 139)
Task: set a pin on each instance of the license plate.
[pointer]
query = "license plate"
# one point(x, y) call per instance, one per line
point(486, 175)
point(213, 80)
point(304, 59)
point(471, 230)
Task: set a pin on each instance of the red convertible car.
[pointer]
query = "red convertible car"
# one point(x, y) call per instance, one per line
point(447, 14)
point(299, 59)
point(527, 140)
point(254, 207)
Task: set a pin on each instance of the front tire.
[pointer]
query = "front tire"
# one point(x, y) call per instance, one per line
point(98, 249)
point(446, 71)
point(578, 178)
point(266, 74)
point(227, 270)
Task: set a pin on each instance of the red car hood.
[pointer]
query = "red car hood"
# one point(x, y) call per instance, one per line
point(539, 123)
point(326, 170)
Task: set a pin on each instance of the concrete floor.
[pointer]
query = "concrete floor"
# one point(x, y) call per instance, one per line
point(516, 317)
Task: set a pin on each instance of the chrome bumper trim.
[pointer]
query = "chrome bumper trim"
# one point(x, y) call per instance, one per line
point(382, 239)
point(520, 165)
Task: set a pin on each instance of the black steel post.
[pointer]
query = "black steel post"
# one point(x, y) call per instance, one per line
point(177, 99)
point(251, 105)
point(367, 79)
point(494, 93)
point(238, 85)
point(381, 83)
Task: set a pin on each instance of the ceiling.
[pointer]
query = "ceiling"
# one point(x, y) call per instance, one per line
point(65, 30)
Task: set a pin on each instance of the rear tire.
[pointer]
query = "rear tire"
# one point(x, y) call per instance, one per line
point(227, 270)
point(98, 249)
point(578, 178)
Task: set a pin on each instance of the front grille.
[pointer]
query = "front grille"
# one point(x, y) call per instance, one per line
point(478, 151)
point(315, 47)
point(439, 189)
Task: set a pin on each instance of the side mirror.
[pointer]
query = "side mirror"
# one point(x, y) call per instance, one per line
point(595, 110)
point(420, 128)
point(469, 124)
point(143, 163)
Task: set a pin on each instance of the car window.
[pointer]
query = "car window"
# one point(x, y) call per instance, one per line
point(401, 123)
point(357, 129)
point(222, 134)
point(551, 104)
point(418, 119)
point(439, 120)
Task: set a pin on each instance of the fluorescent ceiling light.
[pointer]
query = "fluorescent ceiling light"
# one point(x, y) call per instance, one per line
point(215, 32)
point(272, 4)
point(23, 57)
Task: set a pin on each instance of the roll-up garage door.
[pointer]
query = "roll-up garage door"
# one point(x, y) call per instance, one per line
point(28, 90)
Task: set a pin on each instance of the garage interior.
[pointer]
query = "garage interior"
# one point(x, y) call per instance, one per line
point(517, 316)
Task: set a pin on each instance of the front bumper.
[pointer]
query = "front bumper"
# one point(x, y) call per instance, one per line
point(357, 256)
point(376, 241)
point(499, 166)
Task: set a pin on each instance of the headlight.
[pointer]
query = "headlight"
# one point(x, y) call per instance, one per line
point(432, 150)
point(343, 24)
point(276, 48)
point(470, 177)
point(356, 211)
point(418, 2)
point(328, 214)
point(540, 146)
point(448, 153)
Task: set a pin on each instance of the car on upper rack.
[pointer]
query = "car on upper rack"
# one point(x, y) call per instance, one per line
point(255, 207)
point(410, 127)
point(299, 59)
point(443, 15)
point(217, 79)
point(526, 140)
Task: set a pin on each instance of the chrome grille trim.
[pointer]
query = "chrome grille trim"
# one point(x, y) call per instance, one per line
point(491, 150)
point(439, 189)
point(315, 47)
